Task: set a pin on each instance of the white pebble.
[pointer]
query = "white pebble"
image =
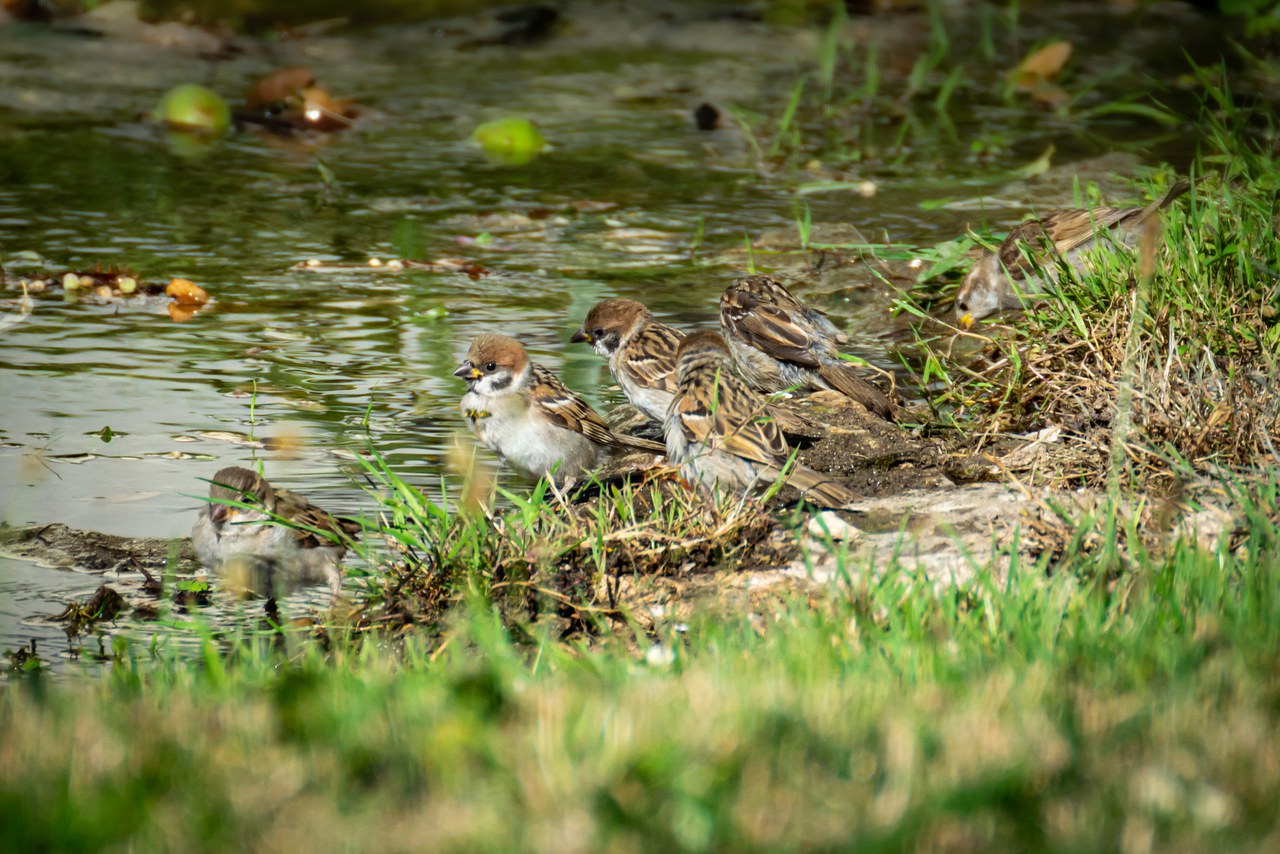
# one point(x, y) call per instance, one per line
point(71, 281)
point(828, 524)
point(375, 262)
point(128, 285)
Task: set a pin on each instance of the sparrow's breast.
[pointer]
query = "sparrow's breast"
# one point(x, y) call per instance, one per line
point(475, 411)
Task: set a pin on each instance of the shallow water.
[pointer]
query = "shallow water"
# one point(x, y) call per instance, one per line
point(301, 368)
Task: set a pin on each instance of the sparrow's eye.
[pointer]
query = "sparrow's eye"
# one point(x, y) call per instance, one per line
point(597, 332)
point(963, 305)
point(490, 367)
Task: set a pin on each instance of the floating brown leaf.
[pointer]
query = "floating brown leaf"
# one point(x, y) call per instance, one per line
point(186, 293)
point(280, 87)
point(1042, 64)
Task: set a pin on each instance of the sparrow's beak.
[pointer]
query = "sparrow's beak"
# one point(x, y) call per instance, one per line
point(466, 371)
point(579, 337)
point(966, 322)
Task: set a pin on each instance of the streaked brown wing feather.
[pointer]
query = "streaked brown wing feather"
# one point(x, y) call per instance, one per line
point(1064, 230)
point(565, 409)
point(793, 423)
point(1076, 227)
point(705, 417)
point(651, 359)
point(844, 380)
point(309, 519)
point(770, 329)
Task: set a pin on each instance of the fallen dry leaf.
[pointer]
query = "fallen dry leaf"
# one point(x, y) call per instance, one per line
point(186, 293)
point(280, 87)
point(1043, 64)
point(1048, 95)
point(292, 99)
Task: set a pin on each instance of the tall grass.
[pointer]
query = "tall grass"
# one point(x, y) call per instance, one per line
point(1160, 372)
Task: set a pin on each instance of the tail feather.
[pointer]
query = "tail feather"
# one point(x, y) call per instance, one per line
point(821, 489)
point(639, 443)
point(793, 423)
point(1178, 189)
point(843, 379)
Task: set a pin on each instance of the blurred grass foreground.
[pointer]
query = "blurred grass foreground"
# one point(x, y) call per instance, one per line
point(1122, 702)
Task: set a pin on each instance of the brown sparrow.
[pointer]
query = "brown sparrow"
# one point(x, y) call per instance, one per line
point(642, 358)
point(779, 343)
point(1002, 278)
point(641, 352)
point(522, 412)
point(283, 539)
point(719, 435)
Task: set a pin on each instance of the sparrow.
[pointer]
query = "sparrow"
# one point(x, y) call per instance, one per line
point(642, 359)
point(529, 418)
point(779, 343)
point(641, 351)
point(1002, 278)
point(719, 435)
point(283, 539)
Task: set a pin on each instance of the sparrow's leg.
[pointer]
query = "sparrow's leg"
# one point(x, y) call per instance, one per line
point(335, 586)
point(562, 490)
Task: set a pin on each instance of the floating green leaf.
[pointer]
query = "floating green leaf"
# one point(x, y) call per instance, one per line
point(194, 108)
point(510, 141)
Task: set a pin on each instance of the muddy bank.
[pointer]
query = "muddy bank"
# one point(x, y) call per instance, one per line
point(944, 535)
point(63, 547)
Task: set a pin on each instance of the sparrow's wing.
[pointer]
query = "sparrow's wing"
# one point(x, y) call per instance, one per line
point(309, 520)
point(651, 358)
point(823, 323)
point(772, 292)
point(565, 409)
point(768, 327)
point(842, 377)
point(1065, 230)
point(720, 411)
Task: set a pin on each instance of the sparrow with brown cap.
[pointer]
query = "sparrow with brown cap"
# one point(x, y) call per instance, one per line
point(642, 359)
point(641, 351)
point(281, 539)
point(523, 412)
point(1025, 263)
